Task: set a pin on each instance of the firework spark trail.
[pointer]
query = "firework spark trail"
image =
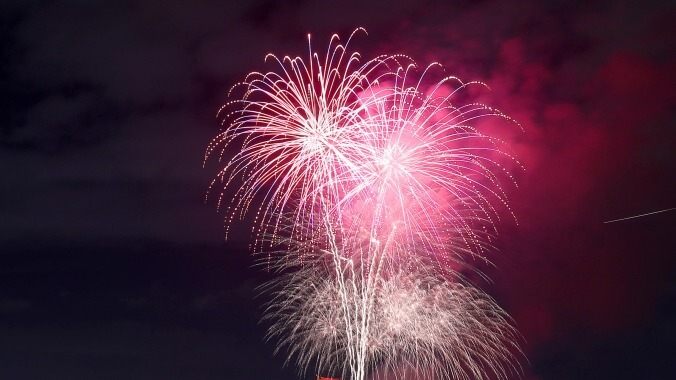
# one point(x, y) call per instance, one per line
point(361, 169)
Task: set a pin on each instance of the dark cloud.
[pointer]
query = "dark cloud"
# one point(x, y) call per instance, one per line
point(132, 309)
point(13, 305)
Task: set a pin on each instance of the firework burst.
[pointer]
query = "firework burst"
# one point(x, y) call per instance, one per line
point(297, 130)
point(416, 323)
point(377, 187)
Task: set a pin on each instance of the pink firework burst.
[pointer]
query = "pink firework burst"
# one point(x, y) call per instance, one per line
point(364, 173)
point(364, 149)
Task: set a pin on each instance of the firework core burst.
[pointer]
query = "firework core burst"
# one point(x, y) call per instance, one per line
point(371, 189)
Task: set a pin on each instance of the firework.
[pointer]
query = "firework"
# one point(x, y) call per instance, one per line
point(416, 323)
point(376, 187)
point(298, 128)
point(361, 148)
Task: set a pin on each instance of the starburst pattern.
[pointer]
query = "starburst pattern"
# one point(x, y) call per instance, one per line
point(378, 188)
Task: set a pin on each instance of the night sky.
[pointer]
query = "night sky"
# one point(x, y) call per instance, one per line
point(112, 266)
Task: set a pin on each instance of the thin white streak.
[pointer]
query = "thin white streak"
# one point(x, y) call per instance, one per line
point(640, 215)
